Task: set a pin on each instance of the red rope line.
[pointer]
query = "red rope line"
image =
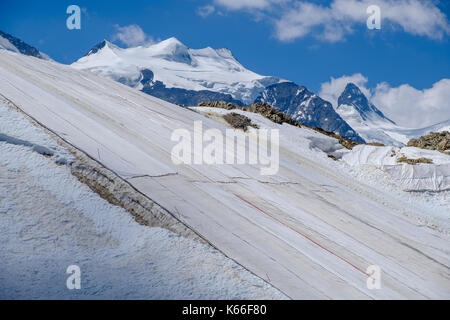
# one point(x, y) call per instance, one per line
point(304, 236)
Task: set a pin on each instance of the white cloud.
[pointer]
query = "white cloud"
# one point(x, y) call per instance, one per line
point(406, 105)
point(296, 19)
point(331, 90)
point(205, 11)
point(132, 35)
point(333, 23)
point(244, 4)
point(414, 108)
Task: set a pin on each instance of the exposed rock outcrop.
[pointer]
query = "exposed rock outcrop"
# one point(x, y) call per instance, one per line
point(433, 141)
point(307, 108)
point(414, 161)
point(277, 116)
point(239, 121)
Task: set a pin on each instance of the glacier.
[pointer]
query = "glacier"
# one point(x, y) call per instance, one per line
point(176, 66)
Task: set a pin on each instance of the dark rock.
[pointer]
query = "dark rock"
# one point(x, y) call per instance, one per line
point(352, 96)
point(414, 161)
point(307, 108)
point(279, 117)
point(96, 48)
point(23, 47)
point(239, 121)
point(181, 96)
point(218, 104)
point(433, 141)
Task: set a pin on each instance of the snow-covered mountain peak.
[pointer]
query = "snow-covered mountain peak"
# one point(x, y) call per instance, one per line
point(352, 90)
point(171, 49)
point(306, 107)
point(369, 122)
point(174, 65)
point(104, 44)
point(352, 96)
point(171, 40)
point(225, 53)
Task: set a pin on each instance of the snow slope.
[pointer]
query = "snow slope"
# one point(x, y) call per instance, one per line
point(388, 134)
point(49, 220)
point(403, 135)
point(176, 66)
point(276, 226)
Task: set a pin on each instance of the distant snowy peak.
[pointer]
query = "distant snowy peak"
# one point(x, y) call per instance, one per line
point(175, 66)
point(352, 96)
point(173, 50)
point(369, 122)
point(11, 43)
point(100, 46)
point(306, 107)
point(372, 125)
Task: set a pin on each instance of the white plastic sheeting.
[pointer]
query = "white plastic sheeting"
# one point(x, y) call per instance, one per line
point(421, 177)
point(362, 224)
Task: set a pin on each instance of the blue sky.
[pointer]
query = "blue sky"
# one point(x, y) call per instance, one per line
point(251, 29)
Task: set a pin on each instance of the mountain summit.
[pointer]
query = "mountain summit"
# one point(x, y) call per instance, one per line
point(353, 97)
point(369, 122)
point(306, 107)
point(99, 46)
point(178, 74)
point(173, 50)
